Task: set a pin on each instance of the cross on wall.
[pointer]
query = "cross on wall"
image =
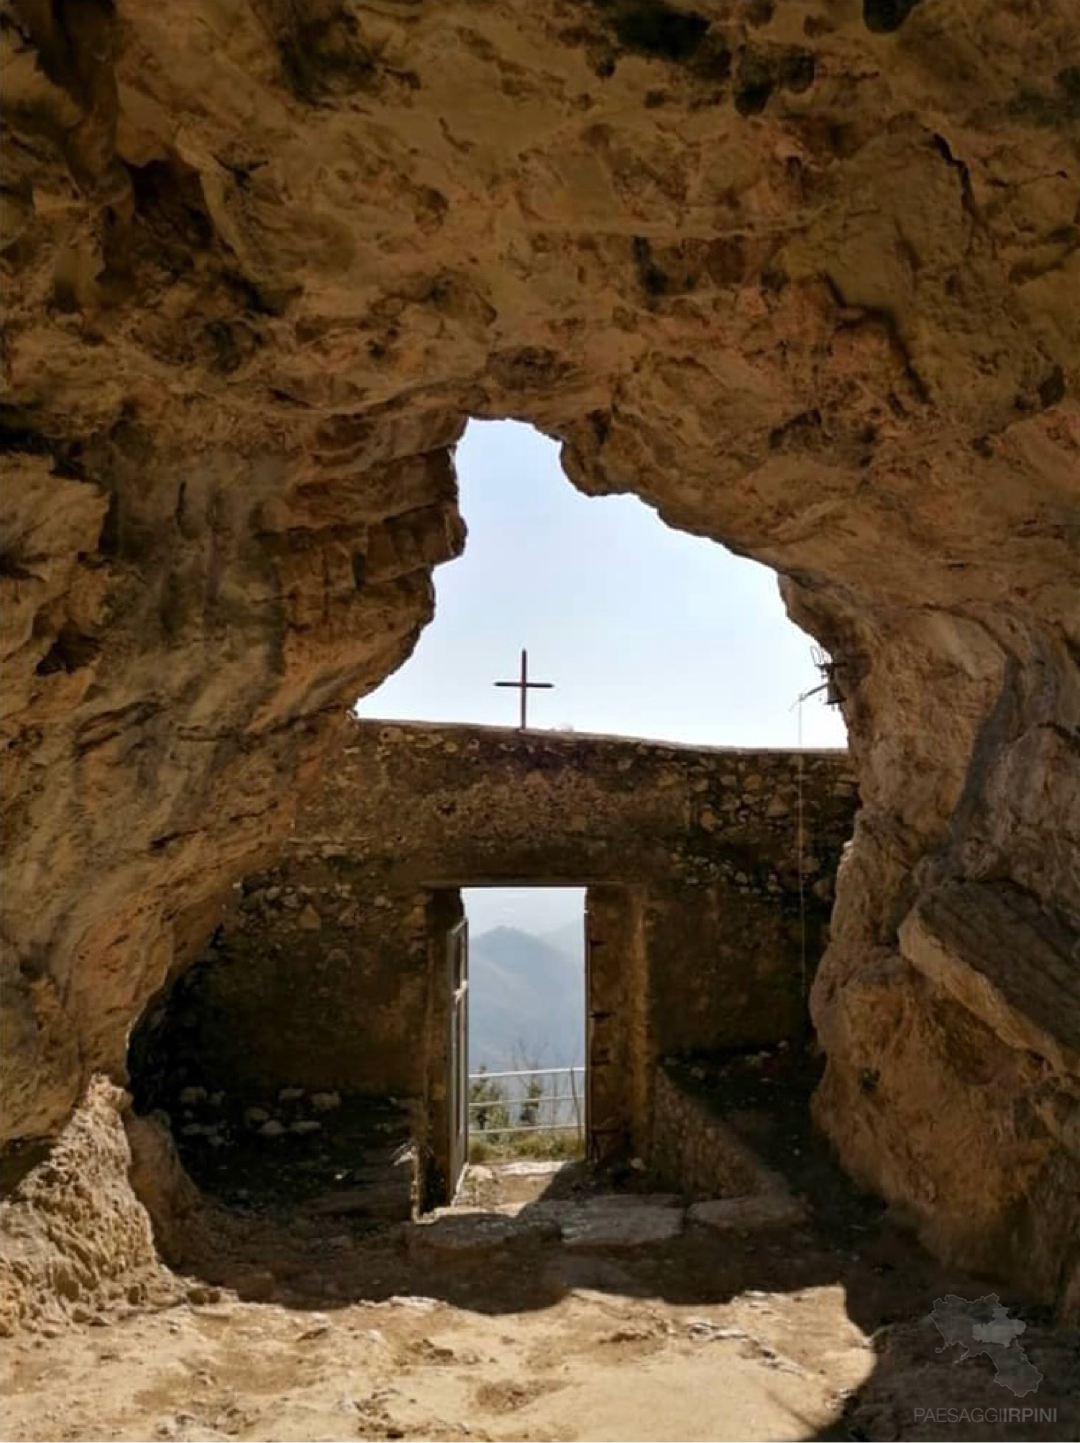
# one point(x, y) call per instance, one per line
point(524, 685)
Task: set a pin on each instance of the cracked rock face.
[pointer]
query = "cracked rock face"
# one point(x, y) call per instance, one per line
point(804, 276)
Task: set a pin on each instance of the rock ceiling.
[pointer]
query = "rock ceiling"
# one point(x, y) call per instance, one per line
point(805, 276)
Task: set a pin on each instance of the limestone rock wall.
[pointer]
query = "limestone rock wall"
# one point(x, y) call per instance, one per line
point(804, 276)
point(78, 1242)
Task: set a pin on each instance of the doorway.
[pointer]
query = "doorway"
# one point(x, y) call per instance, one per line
point(576, 1022)
point(526, 1075)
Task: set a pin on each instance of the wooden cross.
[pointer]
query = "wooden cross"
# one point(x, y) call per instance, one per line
point(524, 685)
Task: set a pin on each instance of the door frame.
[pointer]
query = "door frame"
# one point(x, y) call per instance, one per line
point(617, 1055)
point(457, 1112)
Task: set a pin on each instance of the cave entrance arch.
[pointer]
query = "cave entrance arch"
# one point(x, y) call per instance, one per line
point(642, 629)
point(616, 1042)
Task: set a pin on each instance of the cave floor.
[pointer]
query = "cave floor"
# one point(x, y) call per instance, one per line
point(773, 1334)
point(549, 1303)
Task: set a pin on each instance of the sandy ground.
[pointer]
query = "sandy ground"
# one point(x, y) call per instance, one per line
point(588, 1367)
point(488, 1325)
point(552, 1302)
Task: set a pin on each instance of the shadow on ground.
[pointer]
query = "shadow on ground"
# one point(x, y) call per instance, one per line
point(510, 1258)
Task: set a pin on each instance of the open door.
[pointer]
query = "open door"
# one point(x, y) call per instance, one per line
point(604, 1121)
point(457, 943)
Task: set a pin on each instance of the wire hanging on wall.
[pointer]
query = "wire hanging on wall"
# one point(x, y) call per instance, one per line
point(828, 669)
point(799, 841)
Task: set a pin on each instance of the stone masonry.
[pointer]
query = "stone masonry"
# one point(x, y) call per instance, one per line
point(330, 973)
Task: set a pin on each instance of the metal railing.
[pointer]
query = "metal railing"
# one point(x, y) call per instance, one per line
point(518, 1101)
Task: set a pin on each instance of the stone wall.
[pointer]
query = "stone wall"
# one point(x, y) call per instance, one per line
point(444, 804)
point(329, 973)
point(317, 980)
point(692, 1149)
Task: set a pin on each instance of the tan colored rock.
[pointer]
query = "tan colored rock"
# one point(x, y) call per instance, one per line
point(75, 1234)
point(761, 1210)
point(1005, 960)
point(309, 920)
point(616, 1223)
point(810, 288)
point(460, 1232)
point(173, 1202)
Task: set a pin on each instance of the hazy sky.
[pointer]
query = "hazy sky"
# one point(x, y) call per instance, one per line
point(644, 631)
point(529, 909)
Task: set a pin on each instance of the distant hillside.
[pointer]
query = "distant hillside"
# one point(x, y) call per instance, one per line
point(526, 999)
point(569, 938)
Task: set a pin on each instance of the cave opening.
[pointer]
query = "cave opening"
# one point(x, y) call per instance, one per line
point(643, 629)
point(798, 277)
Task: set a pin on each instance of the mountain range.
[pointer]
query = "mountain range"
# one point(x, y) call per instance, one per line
point(527, 998)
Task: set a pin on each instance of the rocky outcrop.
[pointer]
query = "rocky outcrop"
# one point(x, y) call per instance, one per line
point(804, 276)
point(78, 1243)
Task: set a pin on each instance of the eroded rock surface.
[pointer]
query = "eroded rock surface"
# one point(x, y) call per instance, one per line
point(78, 1244)
point(804, 276)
